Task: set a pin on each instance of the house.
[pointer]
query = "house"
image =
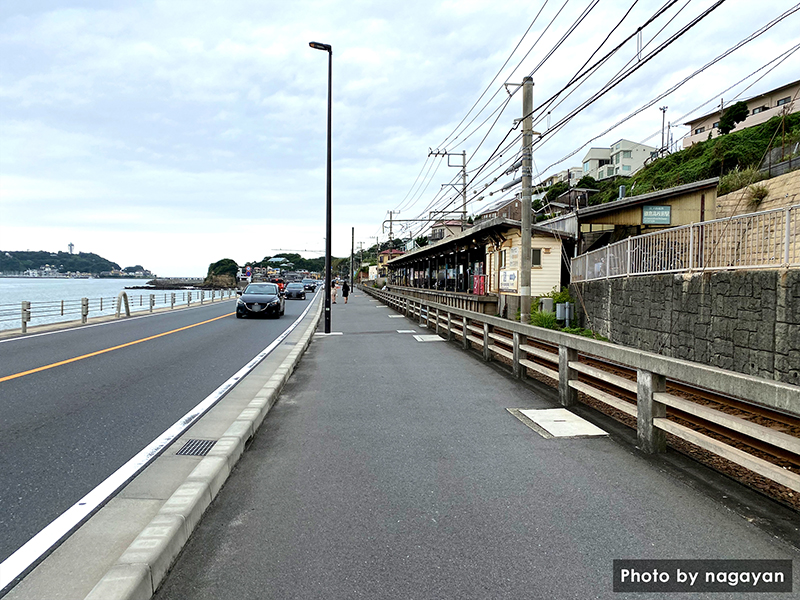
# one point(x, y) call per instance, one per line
point(623, 157)
point(508, 208)
point(761, 109)
point(443, 229)
point(384, 257)
point(571, 176)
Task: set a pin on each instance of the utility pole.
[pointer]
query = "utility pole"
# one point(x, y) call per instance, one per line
point(463, 179)
point(663, 110)
point(527, 163)
point(352, 253)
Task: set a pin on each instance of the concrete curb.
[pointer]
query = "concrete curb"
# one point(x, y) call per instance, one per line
point(146, 562)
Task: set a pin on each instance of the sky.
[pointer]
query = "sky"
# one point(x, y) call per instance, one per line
point(172, 134)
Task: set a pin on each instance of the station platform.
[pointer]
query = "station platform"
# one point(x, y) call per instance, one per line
point(398, 465)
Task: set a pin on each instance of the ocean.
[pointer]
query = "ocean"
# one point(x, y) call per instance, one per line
point(58, 300)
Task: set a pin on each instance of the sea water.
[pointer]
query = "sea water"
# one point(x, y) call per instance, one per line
point(47, 294)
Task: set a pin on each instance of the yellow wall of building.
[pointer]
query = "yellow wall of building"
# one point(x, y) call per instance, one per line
point(543, 279)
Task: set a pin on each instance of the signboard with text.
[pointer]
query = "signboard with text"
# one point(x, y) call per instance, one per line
point(656, 215)
point(509, 281)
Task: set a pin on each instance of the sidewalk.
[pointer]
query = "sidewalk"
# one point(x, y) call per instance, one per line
point(391, 468)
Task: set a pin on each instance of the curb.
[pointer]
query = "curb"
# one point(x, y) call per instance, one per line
point(145, 563)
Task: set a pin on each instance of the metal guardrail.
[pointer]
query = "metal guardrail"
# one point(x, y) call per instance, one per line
point(57, 311)
point(522, 346)
point(762, 240)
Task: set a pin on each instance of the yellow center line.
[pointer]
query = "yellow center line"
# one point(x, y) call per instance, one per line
point(77, 358)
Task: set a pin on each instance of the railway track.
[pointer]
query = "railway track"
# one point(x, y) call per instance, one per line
point(766, 417)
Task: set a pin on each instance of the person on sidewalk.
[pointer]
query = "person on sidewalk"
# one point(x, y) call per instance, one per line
point(333, 291)
point(345, 291)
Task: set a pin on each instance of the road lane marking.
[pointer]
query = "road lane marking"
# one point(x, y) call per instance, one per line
point(41, 544)
point(91, 354)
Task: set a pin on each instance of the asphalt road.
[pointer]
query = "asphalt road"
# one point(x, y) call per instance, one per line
point(65, 428)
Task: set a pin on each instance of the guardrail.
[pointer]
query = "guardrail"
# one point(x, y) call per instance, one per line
point(762, 240)
point(57, 311)
point(567, 360)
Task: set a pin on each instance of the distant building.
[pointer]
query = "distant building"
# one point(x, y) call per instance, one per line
point(443, 229)
point(508, 208)
point(571, 176)
point(624, 157)
point(385, 256)
point(762, 108)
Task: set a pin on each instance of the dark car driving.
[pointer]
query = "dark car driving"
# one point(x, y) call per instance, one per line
point(295, 290)
point(310, 285)
point(260, 300)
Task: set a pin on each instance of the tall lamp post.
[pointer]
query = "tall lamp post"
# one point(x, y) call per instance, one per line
point(329, 50)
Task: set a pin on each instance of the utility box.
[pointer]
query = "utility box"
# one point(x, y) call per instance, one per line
point(565, 311)
point(545, 305)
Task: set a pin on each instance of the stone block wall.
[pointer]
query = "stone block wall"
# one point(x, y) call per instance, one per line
point(745, 321)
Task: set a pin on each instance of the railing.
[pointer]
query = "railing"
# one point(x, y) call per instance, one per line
point(57, 311)
point(567, 361)
point(762, 240)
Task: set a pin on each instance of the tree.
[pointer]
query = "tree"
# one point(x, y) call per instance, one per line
point(421, 241)
point(734, 114)
point(226, 266)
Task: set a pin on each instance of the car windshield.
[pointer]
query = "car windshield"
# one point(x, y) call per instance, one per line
point(294, 286)
point(309, 281)
point(261, 288)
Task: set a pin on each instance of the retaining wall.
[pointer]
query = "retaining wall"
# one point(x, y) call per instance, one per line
point(745, 321)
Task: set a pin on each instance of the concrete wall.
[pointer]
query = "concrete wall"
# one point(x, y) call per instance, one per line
point(745, 321)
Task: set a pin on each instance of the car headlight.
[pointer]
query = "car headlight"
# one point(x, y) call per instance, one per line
point(274, 302)
point(239, 302)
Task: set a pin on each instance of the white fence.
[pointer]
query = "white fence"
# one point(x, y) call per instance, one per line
point(26, 314)
point(761, 240)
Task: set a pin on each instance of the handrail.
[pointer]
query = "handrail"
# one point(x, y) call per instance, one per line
point(761, 240)
point(58, 311)
point(490, 333)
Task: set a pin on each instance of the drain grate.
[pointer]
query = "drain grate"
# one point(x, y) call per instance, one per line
point(196, 447)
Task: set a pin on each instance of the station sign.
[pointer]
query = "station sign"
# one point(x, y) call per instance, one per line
point(656, 215)
point(509, 281)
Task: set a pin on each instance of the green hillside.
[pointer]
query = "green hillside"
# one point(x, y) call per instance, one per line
point(83, 262)
point(716, 157)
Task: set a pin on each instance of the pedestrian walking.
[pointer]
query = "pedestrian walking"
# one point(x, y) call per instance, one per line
point(333, 291)
point(345, 291)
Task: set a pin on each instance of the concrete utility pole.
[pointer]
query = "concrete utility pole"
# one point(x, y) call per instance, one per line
point(527, 163)
point(663, 110)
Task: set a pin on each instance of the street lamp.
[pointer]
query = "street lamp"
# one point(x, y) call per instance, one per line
point(329, 50)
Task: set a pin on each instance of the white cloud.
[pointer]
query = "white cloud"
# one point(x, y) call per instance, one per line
point(200, 127)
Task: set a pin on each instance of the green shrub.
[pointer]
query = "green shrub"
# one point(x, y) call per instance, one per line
point(739, 178)
point(544, 319)
point(758, 193)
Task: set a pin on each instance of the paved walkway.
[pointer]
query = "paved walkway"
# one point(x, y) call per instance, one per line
point(391, 468)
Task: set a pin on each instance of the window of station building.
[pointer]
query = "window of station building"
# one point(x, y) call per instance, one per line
point(699, 130)
point(536, 257)
point(627, 154)
point(783, 101)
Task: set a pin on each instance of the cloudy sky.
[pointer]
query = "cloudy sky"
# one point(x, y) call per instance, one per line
point(174, 133)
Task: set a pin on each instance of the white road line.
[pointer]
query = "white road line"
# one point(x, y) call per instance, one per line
point(41, 544)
